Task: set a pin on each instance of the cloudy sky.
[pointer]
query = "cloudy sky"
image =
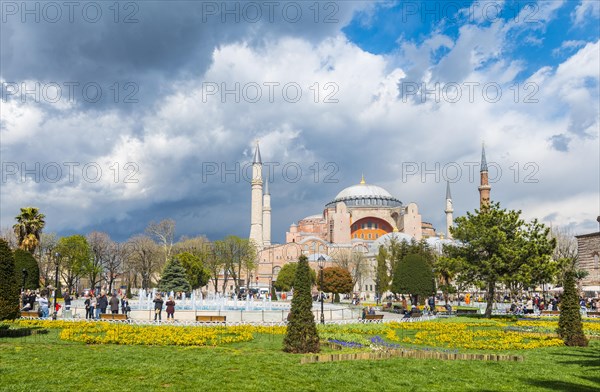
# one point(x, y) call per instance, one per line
point(113, 116)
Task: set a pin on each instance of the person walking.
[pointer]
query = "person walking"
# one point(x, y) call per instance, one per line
point(158, 305)
point(89, 313)
point(67, 299)
point(170, 308)
point(125, 309)
point(94, 307)
point(114, 304)
point(43, 301)
point(102, 302)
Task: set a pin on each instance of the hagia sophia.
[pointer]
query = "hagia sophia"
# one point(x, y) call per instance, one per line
point(360, 218)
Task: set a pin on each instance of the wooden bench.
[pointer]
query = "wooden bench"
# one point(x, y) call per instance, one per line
point(211, 319)
point(416, 314)
point(593, 314)
point(30, 314)
point(373, 317)
point(110, 316)
point(550, 312)
point(466, 311)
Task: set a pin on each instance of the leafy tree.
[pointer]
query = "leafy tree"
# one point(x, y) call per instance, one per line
point(215, 263)
point(29, 228)
point(355, 262)
point(570, 327)
point(25, 261)
point(414, 275)
point(382, 277)
point(239, 256)
point(45, 253)
point(9, 289)
point(197, 274)
point(99, 247)
point(497, 246)
point(174, 277)
point(336, 280)
point(286, 276)
point(74, 258)
point(301, 335)
point(445, 269)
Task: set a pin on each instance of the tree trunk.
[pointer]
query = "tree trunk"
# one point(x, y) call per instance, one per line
point(490, 299)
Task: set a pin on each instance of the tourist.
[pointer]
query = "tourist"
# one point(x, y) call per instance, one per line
point(125, 309)
point(43, 301)
point(431, 303)
point(67, 299)
point(93, 306)
point(88, 305)
point(158, 305)
point(404, 303)
point(170, 308)
point(114, 304)
point(103, 302)
point(529, 306)
point(32, 299)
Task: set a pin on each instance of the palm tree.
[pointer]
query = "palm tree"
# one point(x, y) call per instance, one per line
point(29, 228)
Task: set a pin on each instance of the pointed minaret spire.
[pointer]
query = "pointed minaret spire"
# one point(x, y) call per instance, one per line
point(449, 210)
point(483, 160)
point(362, 179)
point(484, 186)
point(257, 158)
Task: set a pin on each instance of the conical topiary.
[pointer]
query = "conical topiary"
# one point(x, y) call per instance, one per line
point(174, 278)
point(9, 290)
point(570, 327)
point(301, 335)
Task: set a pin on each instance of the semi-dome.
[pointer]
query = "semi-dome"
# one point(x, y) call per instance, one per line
point(365, 195)
point(389, 237)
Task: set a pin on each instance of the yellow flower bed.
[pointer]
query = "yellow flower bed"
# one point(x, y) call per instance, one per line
point(163, 335)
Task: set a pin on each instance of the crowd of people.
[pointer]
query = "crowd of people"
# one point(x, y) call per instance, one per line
point(97, 304)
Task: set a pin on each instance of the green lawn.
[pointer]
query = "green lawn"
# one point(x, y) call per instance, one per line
point(45, 363)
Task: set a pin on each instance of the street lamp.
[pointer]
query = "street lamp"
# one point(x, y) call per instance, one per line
point(56, 256)
point(321, 263)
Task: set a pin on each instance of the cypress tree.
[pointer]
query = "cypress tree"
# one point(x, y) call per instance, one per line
point(174, 277)
point(301, 335)
point(25, 261)
point(273, 293)
point(570, 327)
point(9, 289)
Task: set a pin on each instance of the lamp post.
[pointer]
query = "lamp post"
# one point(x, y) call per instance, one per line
point(321, 263)
point(24, 274)
point(56, 256)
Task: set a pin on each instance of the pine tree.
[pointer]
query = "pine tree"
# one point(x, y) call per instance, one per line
point(174, 278)
point(9, 289)
point(414, 275)
point(570, 327)
point(25, 261)
point(301, 336)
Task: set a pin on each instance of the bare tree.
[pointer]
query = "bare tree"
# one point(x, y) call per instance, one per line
point(144, 258)
point(113, 262)
point(354, 262)
point(566, 254)
point(99, 247)
point(163, 233)
point(45, 251)
point(8, 235)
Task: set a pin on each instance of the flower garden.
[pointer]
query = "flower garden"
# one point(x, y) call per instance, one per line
point(466, 334)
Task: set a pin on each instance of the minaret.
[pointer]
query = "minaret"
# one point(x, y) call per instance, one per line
point(266, 216)
point(484, 187)
point(449, 210)
point(256, 214)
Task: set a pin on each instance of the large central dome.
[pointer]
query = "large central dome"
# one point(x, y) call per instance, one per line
point(365, 195)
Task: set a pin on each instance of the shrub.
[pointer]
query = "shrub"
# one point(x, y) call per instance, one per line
point(9, 290)
point(570, 327)
point(301, 336)
point(25, 261)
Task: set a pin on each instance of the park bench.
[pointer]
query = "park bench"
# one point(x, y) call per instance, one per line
point(30, 314)
point(210, 319)
point(466, 311)
point(373, 317)
point(110, 316)
point(593, 314)
point(416, 314)
point(550, 312)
